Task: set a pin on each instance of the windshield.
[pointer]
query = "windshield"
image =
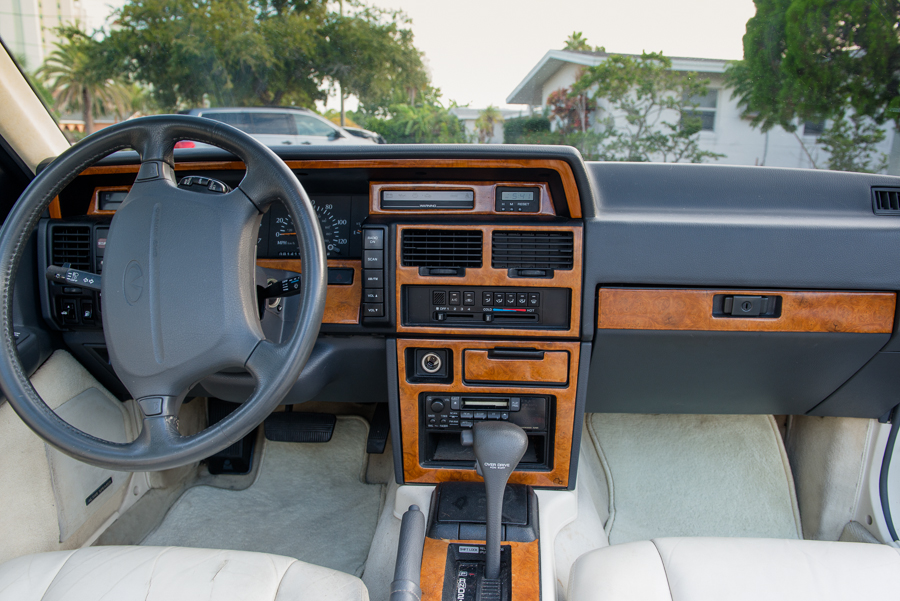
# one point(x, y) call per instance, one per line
point(792, 83)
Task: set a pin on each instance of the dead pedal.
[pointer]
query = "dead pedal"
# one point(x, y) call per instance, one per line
point(299, 426)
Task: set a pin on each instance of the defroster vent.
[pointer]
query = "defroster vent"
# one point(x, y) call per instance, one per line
point(441, 248)
point(71, 244)
point(532, 250)
point(886, 201)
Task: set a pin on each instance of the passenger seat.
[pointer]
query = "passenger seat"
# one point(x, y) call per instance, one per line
point(736, 569)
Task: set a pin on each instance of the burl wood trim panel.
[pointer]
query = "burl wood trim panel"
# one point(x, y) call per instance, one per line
point(524, 557)
point(573, 200)
point(801, 311)
point(55, 209)
point(484, 197)
point(488, 276)
point(94, 208)
point(414, 472)
point(342, 303)
point(553, 368)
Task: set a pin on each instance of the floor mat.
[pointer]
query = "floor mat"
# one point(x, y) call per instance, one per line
point(695, 475)
point(309, 502)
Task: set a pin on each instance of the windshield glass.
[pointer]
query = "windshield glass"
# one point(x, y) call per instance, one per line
point(787, 83)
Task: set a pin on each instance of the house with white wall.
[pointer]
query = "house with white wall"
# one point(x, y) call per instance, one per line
point(725, 131)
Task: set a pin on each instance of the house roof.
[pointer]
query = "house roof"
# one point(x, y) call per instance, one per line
point(529, 91)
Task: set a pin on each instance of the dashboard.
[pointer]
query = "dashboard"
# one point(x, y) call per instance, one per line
point(471, 283)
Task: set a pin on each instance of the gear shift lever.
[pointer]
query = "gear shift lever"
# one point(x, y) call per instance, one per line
point(499, 447)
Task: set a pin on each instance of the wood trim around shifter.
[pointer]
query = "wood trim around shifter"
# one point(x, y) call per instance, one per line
point(410, 426)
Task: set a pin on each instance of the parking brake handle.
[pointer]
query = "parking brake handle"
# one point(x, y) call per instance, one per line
point(407, 572)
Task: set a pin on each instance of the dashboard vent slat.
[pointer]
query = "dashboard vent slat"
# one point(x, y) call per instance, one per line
point(534, 250)
point(71, 244)
point(441, 248)
point(886, 201)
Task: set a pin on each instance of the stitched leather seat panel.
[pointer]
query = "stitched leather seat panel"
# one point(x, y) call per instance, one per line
point(171, 574)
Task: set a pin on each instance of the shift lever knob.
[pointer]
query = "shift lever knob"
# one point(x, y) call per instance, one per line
point(499, 447)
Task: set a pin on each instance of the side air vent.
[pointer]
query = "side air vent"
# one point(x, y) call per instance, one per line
point(71, 244)
point(441, 248)
point(886, 201)
point(532, 250)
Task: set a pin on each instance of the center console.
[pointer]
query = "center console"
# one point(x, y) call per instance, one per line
point(487, 316)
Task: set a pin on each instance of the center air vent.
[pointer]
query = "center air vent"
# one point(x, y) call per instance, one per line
point(886, 201)
point(71, 244)
point(441, 248)
point(532, 250)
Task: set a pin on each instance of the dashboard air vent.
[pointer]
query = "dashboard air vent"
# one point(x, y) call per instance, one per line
point(441, 248)
point(532, 250)
point(886, 201)
point(71, 244)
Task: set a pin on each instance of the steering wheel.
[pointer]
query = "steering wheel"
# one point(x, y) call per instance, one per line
point(178, 291)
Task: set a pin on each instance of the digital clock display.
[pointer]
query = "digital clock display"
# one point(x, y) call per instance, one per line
point(517, 195)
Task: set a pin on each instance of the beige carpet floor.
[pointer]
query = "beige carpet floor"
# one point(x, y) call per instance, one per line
point(310, 501)
point(694, 475)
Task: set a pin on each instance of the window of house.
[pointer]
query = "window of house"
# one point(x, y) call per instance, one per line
point(705, 109)
point(814, 128)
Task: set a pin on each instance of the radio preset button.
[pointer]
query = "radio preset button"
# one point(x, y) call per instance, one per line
point(480, 415)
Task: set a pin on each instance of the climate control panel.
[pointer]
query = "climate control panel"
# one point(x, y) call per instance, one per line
point(486, 306)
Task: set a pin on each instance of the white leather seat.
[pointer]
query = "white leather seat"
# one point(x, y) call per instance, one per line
point(171, 574)
point(736, 569)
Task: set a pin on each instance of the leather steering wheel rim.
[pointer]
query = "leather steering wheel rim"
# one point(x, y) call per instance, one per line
point(150, 235)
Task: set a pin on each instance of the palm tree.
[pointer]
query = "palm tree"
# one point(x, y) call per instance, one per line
point(486, 121)
point(81, 80)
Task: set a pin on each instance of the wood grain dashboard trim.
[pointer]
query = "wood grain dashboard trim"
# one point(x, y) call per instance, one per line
point(94, 208)
point(524, 557)
point(414, 472)
point(801, 311)
point(479, 366)
point(342, 303)
point(484, 197)
point(488, 276)
point(573, 200)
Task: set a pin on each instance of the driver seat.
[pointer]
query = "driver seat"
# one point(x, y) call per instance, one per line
point(171, 574)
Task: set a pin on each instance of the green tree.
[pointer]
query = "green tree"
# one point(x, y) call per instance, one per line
point(811, 59)
point(425, 122)
point(577, 42)
point(264, 52)
point(851, 145)
point(650, 109)
point(372, 56)
point(80, 79)
point(485, 123)
point(526, 130)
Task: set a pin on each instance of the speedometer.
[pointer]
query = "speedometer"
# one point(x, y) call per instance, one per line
point(333, 219)
point(335, 228)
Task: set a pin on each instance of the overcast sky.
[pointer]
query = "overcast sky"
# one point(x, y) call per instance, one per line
point(479, 50)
